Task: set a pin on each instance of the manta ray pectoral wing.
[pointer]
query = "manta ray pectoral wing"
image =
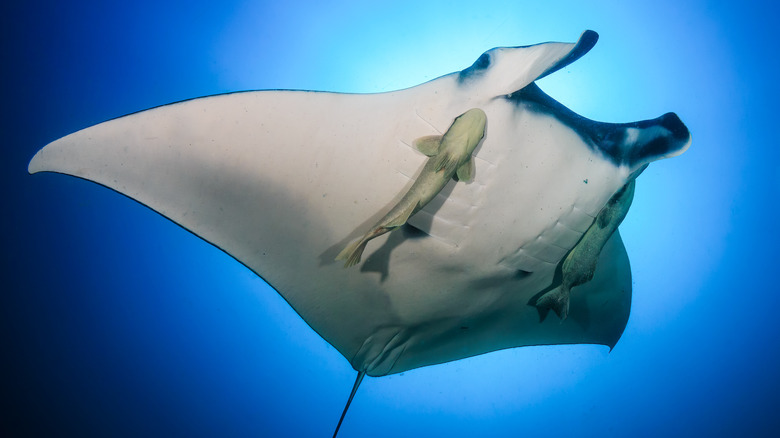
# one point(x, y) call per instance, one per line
point(429, 145)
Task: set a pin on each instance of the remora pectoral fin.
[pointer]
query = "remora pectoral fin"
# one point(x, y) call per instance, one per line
point(466, 170)
point(429, 145)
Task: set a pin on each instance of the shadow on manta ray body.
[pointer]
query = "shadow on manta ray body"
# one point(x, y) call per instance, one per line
point(281, 180)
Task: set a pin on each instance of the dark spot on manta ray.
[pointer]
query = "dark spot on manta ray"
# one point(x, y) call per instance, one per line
point(479, 67)
point(482, 62)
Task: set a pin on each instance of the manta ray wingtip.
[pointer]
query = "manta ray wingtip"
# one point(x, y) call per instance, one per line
point(37, 163)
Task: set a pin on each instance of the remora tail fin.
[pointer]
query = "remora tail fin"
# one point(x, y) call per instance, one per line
point(557, 300)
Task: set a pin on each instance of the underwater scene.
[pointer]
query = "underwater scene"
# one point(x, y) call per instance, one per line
point(419, 218)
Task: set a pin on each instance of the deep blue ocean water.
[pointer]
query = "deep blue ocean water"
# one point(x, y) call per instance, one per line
point(116, 322)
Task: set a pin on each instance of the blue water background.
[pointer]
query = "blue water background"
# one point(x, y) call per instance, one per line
point(116, 322)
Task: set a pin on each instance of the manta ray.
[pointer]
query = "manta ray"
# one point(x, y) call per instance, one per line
point(284, 181)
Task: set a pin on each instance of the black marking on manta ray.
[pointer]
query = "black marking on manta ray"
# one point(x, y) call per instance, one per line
point(476, 69)
point(610, 139)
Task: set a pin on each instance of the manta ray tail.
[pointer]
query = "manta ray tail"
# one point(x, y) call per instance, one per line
point(359, 379)
point(557, 300)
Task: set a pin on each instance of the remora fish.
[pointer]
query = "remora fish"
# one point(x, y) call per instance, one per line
point(450, 155)
point(579, 265)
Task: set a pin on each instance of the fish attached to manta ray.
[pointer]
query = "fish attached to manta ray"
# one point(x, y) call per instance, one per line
point(579, 265)
point(450, 157)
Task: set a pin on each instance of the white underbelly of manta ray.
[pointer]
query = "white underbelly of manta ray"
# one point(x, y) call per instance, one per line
point(283, 181)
